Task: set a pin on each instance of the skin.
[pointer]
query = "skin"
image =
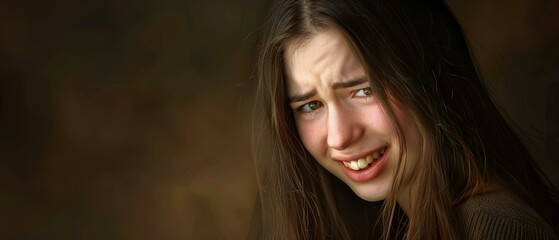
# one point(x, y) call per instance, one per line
point(338, 117)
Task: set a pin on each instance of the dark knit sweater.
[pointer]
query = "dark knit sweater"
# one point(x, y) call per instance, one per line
point(498, 216)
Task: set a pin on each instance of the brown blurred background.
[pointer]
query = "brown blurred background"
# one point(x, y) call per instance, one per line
point(129, 119)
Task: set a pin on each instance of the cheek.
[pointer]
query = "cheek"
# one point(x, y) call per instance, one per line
point(413, 138)
point(313, 136)
point(409, 127)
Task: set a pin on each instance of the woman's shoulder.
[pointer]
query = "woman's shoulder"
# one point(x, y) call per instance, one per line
point(500, 216)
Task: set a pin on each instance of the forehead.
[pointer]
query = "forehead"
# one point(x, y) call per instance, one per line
point(330, 38)
point(325, 57)
point(317, 49)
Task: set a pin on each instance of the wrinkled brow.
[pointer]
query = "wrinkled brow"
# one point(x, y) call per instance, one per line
point(337, 85)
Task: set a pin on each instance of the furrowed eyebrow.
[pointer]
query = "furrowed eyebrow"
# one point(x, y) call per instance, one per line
point(348, 84)
point(302, 97)
point(338, 85)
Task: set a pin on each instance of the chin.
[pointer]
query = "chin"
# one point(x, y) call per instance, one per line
point(371, 197)
point(370, 192)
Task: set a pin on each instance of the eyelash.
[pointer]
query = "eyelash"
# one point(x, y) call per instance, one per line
point(366, 91)
point(301, 108)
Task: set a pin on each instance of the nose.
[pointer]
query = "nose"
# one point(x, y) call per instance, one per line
point(343, 128)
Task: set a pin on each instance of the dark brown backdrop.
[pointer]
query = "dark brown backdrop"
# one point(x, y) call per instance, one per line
point(129, 119)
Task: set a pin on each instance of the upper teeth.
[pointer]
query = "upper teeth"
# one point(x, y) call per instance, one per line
point(363, 162)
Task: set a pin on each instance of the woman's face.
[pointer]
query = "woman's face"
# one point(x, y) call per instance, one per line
point(340, 121)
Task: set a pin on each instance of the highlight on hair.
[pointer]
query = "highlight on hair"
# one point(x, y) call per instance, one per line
point(415, 55)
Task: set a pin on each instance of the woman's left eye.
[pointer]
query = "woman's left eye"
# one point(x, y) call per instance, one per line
point(364, 92)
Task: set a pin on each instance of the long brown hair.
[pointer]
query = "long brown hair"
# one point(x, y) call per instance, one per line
point(417, 55)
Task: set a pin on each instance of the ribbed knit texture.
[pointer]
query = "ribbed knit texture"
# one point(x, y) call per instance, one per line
point(497, 216)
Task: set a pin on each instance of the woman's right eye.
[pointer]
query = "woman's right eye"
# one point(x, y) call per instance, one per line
point(310, 106)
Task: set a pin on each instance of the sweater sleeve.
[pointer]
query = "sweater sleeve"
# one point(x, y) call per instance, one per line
point(494, 220)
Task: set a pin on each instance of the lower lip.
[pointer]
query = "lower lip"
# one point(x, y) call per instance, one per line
point(368, 173)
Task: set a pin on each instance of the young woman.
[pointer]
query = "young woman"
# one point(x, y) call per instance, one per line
point(367, 107)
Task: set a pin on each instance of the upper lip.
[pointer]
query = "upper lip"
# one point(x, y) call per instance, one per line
point(356, 156)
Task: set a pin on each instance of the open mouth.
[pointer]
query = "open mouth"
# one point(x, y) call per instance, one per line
point(364, 162)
